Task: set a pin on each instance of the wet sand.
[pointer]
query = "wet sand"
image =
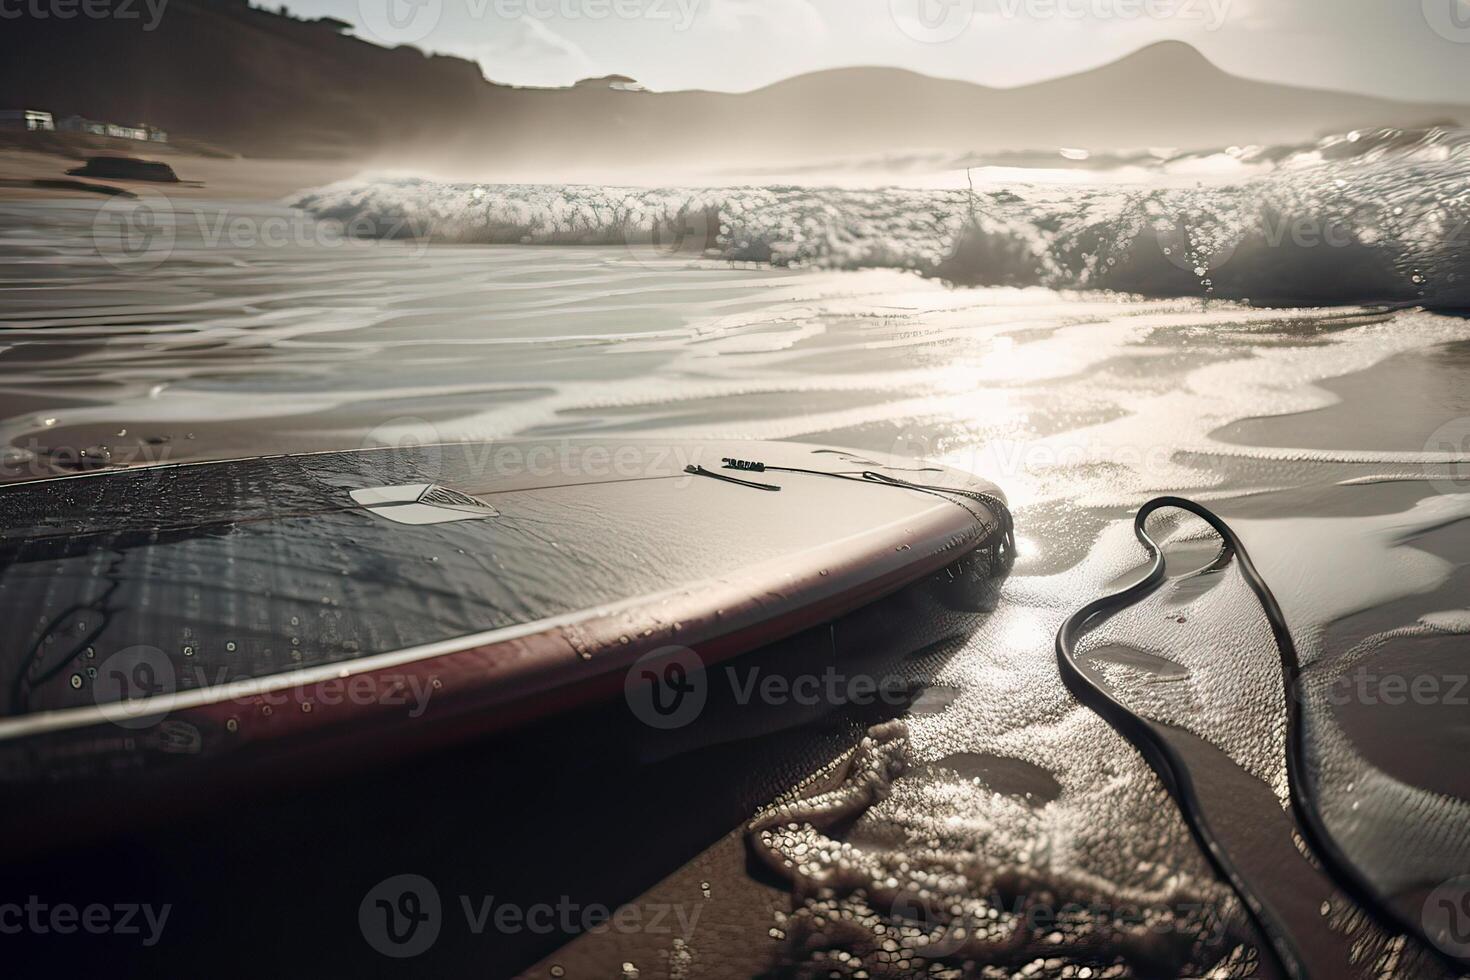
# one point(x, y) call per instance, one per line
point(1395, 406)
point(201, 177)
point(1080, 406)
point(1410, 739)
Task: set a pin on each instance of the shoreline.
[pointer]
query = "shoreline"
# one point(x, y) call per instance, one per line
point(1079, 405)
point(200, 177)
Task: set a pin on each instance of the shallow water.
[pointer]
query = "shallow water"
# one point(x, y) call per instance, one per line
point(253, 331)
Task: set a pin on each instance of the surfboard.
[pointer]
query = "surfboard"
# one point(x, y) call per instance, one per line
point(179, 616)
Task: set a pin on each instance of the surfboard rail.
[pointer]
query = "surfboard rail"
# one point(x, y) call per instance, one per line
point(797, 572)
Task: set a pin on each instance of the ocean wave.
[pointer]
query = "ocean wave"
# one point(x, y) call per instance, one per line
point(1366, 217)
point(1429, 143)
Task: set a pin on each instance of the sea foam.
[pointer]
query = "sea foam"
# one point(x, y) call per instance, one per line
point(1367, 217)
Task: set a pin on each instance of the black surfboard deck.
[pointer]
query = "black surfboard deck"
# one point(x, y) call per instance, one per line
point(383, 600)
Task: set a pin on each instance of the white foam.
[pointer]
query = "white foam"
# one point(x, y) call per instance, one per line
point(1382, 219)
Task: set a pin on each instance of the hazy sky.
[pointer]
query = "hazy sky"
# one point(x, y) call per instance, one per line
point(1403, 48)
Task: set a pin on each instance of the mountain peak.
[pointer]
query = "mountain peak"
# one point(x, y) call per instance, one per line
point(1168, 54)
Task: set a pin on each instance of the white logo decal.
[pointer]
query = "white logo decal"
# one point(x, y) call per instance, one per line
point(423, 503)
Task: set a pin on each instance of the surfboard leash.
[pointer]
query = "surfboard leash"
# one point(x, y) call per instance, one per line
point(994, 505)
point(1006, 550)
point(1005, 523)
point(694, 469)
point(1173, 772)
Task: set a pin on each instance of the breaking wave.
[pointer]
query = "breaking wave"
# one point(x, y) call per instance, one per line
point(1381, 216)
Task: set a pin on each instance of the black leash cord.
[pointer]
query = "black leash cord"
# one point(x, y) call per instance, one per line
point(696, 470)
point(1174, 774)
point(993, 504)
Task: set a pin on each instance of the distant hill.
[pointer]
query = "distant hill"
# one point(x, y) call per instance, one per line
point(1167, 94)
point(245, 79)
point(270, 85)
